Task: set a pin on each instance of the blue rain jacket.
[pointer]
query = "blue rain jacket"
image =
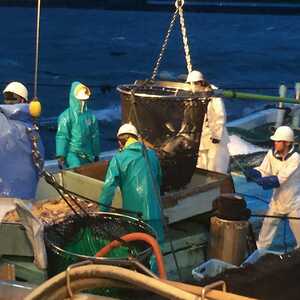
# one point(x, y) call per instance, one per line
point(18, 174)
point(129, 170)
point(77, 137)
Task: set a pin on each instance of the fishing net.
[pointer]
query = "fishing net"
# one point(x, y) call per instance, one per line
point(169, 118)
point(80, 237)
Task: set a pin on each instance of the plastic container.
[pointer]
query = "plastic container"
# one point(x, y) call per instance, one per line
point(211, 268)
point(257, 254)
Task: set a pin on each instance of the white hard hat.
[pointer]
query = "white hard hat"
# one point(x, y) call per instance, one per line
point(17, 88)
point(82, 92)
point(195, 76)
point(283, 133)
point(127, 128)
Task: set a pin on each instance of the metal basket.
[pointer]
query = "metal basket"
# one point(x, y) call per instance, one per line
point(79, 238)
point(169, 117)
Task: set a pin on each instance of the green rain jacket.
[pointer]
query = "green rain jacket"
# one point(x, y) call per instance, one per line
point(130, 170)
point(77, 137)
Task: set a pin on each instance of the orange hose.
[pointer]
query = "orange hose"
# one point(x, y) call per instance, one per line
point(141, 237)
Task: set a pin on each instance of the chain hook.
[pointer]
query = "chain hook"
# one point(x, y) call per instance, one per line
point(179, 3)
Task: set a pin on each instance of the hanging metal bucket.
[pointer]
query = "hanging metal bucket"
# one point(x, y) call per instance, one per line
point(169, 117)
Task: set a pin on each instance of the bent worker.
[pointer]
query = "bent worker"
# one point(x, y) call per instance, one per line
point(213, 152)
point(77, 137)
point(136, 170)
point(280, 170)
point(22, 151)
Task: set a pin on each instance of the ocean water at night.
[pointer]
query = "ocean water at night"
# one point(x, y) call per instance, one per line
point(105, 48)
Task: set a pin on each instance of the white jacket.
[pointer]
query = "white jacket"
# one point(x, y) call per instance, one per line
point(286, 197)
point(214, 124)
point(214, 156)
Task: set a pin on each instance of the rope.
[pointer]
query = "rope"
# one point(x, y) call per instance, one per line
point(276, 217)
point(49, 178)
point(253, 196)
point(155, 186)
point(284, 218)
point(107, 87)
point(37, 47)
point(179, 4)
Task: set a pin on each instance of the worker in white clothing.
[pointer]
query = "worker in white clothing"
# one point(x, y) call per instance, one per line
point(280, 170)
point(213, 151)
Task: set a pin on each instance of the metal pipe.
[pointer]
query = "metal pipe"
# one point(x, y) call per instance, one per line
point(251, 96)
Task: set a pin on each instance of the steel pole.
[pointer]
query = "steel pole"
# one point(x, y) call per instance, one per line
point(251, 96)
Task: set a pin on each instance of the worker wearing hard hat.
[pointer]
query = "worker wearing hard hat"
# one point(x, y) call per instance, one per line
point(77, 137)
point(15, 92)
point(213, 151)
point(280, 170)
point(136, 170)
point(22, 152)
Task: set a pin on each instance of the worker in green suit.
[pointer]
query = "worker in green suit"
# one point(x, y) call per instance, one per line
point(77, 137)
point(136, 170)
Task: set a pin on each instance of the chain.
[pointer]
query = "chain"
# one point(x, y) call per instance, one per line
point(179, 10)
point(164, 46)
point(38, 161)
point(180, 3)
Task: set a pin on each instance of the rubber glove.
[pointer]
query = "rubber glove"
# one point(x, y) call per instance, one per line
point(252, 174)
point(268, 182)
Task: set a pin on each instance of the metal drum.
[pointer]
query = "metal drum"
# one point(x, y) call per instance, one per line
point(228, 240)
point(169, 118)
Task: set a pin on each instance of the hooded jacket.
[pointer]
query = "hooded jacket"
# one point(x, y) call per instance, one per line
point(77, 137)
point(139, 180)
point(18, 174)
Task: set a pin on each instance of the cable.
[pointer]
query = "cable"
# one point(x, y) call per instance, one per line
point(37, 48)
point(110, 86)
point(50, 179)
point(155, 186)
point(284, 235)
point(253, 196)
point(274, 216)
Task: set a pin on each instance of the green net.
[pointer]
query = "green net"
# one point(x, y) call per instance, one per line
point(79, 238)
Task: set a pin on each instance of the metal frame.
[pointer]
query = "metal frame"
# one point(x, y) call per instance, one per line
point(209, 287)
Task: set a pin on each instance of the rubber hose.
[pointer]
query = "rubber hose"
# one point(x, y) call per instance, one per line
point(140, 236)
point(76, 287)
point(92, 276)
